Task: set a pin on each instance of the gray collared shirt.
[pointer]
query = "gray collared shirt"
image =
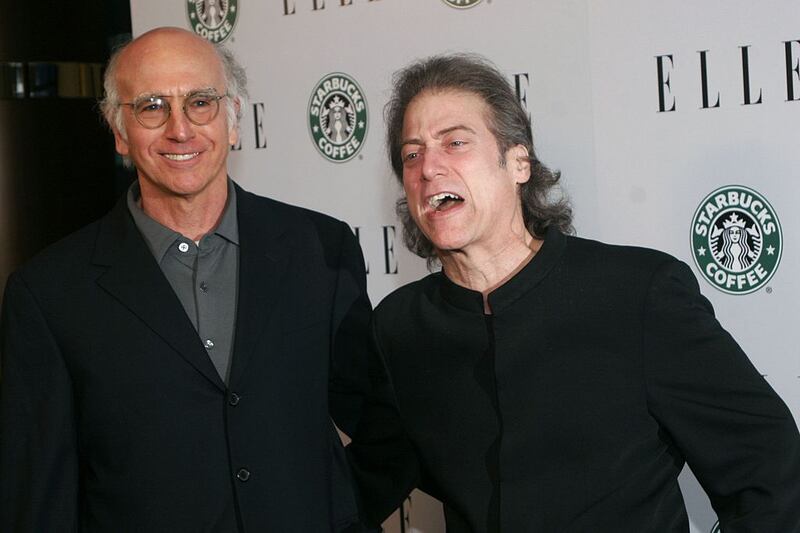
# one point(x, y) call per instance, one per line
point(204, 276)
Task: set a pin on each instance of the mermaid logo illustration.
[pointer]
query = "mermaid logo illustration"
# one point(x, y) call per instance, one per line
point(737, 244)
point(462, 4)
point(338, 120)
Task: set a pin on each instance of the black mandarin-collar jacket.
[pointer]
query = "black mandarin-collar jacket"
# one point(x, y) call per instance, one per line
point(574, 406)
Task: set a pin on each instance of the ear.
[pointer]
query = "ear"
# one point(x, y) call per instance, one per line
point(121, 143)
point(233, 135)
point(233, 129)
point(518, 161)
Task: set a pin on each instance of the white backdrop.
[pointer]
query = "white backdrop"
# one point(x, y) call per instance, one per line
point(589, 73)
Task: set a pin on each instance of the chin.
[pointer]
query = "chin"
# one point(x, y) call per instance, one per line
point(190, 184)
point(447, 245)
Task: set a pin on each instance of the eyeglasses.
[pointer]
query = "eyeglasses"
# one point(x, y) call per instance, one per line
point(200, 107)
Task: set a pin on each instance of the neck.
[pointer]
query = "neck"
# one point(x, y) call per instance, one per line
point(486, 270)
point(192, 215)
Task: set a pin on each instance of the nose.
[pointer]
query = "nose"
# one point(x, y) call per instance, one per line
point(432, 164)
point(178, 127)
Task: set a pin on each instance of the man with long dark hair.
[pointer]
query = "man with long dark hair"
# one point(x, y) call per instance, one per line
point(541, 382)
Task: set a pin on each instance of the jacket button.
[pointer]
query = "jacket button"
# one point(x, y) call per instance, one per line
point(243, 474)
point(233, 399)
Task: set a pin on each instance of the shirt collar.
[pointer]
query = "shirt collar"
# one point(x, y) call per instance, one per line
point(510, 291)
point(159, 237)
point(228, 227)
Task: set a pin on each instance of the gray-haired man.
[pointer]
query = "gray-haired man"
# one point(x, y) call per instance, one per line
point(175, 365)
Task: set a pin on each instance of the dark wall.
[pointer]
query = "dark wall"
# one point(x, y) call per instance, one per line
point(58, 30)
point(58, 168)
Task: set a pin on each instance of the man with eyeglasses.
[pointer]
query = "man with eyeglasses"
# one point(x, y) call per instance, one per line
point(176, 365)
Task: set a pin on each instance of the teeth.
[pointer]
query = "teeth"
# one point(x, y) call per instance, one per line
point(181, 157)
point(438, 199)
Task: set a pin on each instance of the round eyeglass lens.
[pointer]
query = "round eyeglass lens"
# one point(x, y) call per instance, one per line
point(201, 108)
point(152, 112)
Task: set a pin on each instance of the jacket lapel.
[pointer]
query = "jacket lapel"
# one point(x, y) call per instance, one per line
point(134, 278)
point(262, 262)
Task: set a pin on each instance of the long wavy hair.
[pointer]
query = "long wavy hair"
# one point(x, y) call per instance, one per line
point(543, 203)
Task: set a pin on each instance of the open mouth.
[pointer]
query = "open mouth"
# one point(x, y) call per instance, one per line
point(181, 157)
point(444, 201)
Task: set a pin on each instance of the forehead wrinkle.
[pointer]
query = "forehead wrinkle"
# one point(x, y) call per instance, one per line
point(147, 57)
point(458, 127)
point(411, 141)
point(441, 133)
point(158, 94)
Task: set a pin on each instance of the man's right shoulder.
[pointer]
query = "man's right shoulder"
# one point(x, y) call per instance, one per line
point(411, 295)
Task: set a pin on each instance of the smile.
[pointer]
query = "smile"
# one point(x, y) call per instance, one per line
point(181, 157)
point(444, 201)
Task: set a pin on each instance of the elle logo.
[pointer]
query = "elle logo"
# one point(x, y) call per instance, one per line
point(289, 6)
point(665, 66)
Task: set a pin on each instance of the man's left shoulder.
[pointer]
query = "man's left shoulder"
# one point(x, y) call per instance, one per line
point(299, 230)
point(631, 262)
point(262, 209)
point(622, 254)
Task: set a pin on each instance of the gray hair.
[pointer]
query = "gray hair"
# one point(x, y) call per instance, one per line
point(543, 204)
point(235, 81)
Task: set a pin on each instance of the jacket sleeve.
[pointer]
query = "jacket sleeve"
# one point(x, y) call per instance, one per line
point(380, 456)
point(736, 434)
point(38, 450)
point(349, 380)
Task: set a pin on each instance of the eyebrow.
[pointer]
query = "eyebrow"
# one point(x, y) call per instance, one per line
point(202, 90)
point(441, 133)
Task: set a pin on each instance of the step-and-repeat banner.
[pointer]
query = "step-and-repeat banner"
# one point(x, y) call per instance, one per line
point(674, 125)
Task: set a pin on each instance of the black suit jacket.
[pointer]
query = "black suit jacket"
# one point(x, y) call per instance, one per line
point(114, 419)
point(575, 405)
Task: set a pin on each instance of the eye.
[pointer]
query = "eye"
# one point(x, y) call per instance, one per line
point(409, 157)
point(200, 101)
point(151, 105)
point(457, 143)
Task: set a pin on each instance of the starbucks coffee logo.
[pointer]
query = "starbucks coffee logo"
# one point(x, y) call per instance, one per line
point(212, 19)
point(736, 239)
point(337, 113)
point(462, 4)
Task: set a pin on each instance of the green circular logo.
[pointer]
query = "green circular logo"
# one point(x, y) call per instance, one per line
point(212, 19)
point(337, 113)
point(736, 239)
point(462, 4)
